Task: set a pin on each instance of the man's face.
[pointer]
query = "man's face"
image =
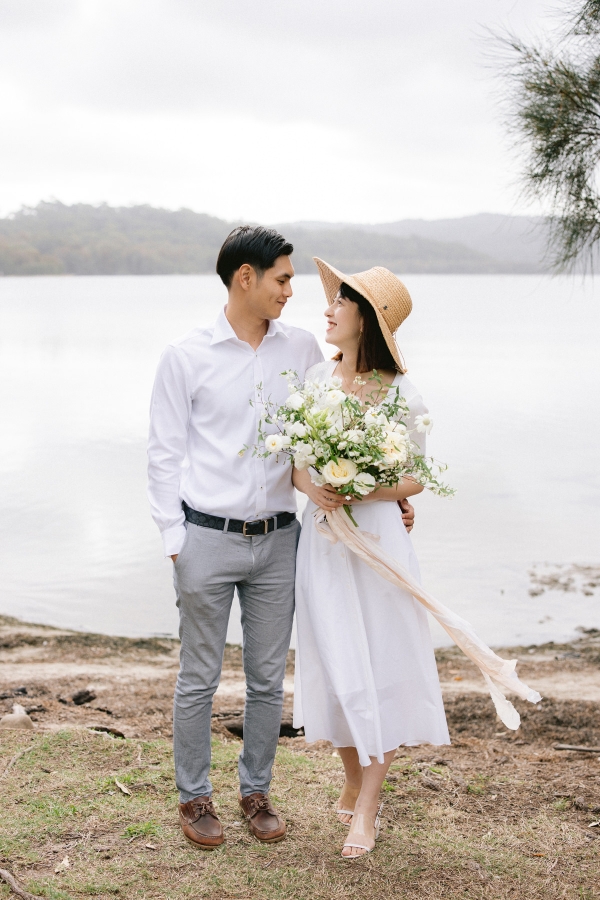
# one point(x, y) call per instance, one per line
point(268, 295)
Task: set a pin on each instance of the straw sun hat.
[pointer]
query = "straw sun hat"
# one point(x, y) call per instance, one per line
point(386, 294)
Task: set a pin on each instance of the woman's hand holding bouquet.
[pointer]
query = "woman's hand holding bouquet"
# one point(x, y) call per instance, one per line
point(344, 445)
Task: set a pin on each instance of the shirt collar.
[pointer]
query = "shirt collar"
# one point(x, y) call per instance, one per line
point(224, 332)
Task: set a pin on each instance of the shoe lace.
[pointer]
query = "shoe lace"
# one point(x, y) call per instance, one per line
point(202, 808)
point(258, 804)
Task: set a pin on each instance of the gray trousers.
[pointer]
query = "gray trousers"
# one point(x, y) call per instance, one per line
point(211, 564)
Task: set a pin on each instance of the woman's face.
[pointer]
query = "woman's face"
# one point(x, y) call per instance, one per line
point(344, 322)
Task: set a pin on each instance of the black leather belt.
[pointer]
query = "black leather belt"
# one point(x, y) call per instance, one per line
point(237, 526)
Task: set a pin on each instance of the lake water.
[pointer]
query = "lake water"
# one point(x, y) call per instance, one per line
point(507, 364)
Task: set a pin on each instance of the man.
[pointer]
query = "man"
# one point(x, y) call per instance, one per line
point(228, 520)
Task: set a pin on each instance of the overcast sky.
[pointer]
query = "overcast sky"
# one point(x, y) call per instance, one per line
point(267, 110)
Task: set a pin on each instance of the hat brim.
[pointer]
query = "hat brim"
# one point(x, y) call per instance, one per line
point(332, 279)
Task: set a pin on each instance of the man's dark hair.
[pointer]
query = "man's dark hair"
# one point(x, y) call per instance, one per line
point(252, 244)
point(373, 352)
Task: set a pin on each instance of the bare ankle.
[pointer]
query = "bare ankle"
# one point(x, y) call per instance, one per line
point(351, 788)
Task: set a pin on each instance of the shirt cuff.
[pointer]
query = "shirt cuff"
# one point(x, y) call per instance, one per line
point(173, 539)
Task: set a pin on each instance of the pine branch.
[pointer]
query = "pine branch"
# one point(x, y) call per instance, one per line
point(554, 116)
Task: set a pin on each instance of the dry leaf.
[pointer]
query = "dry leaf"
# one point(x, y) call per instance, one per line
point(65, 864)
point(122, 787)
point(150, 846)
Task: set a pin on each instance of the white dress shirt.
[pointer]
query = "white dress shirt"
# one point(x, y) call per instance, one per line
point(205, 407)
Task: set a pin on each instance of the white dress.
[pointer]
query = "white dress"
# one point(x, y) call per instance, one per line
point(366, 675)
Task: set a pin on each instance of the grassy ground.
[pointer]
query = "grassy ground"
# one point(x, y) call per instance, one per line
point(471, 825)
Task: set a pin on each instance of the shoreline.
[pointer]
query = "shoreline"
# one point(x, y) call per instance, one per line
point(132, 681)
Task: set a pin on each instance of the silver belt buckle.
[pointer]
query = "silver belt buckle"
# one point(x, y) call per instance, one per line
point(253, 522)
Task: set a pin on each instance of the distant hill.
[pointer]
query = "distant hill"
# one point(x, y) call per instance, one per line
point(510, 243)
point(54, 238)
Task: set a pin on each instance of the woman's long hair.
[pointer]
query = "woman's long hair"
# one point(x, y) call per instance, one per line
point(373, 352)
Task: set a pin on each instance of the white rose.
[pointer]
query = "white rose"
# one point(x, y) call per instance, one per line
point(393, 453)
point(274, 443)
point(341, 472)
point(356, 435)
point(365, 483)
point(334, 398)
point(297, 429)
point(295, 401)
point(335, 382)
point(394, 447)
point(373, 417)
point(304, 456)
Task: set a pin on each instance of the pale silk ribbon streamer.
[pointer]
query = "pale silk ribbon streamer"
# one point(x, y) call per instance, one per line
point(498, 673)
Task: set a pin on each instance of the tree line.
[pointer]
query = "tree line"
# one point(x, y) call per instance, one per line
point(54, 238)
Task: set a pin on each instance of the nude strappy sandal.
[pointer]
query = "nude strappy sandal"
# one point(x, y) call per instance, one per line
point(344, 812)
point(351, 843)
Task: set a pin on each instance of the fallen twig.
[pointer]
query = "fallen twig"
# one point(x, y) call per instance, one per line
point(574, 747)
point(16, 887)
point(14, 760)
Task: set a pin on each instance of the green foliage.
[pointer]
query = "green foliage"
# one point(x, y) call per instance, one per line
point(554, 111)
point(141, 829)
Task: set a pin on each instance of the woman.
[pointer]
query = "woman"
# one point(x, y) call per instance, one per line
point(366, 677)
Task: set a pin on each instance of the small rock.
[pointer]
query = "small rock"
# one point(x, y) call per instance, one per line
point(16, 721)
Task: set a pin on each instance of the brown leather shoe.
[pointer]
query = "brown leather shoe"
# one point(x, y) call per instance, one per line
point(200, 823)
point(265, 822)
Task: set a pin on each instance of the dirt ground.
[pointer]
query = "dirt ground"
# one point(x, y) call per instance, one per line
point(489, 785)
point(133, 680)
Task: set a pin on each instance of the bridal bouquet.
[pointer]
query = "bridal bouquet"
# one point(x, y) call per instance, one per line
point(346, 445)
